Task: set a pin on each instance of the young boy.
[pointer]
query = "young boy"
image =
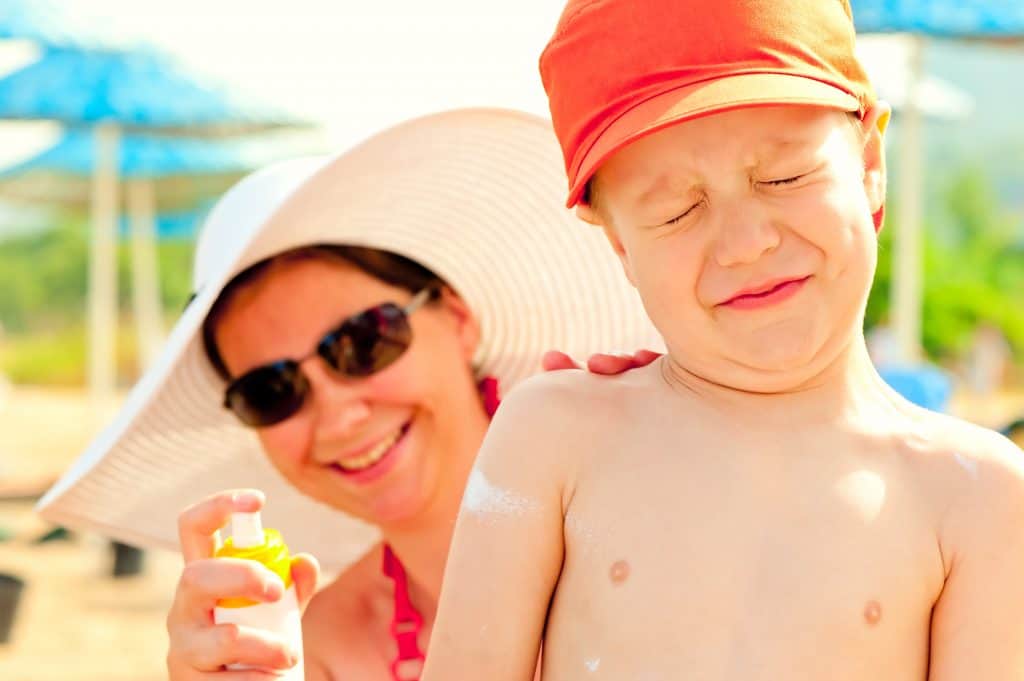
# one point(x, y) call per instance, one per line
point(757, 504)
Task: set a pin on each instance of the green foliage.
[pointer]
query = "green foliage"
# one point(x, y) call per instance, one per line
point(53, 357)
point(43, 278)
point(57, 356)
point(43, 284)
point(973, 275)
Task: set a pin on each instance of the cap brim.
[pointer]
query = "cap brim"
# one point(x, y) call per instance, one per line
point(703, 99)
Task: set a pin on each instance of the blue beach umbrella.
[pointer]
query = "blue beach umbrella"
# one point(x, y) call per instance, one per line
point(183, 170)
point(981, 19)
point(139, 89)
point(155, 156)
point(996, 21)
point(51, 24)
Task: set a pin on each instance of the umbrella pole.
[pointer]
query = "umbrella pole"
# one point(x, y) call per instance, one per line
point(907, 274)
point(145, 271)
point(102, 304)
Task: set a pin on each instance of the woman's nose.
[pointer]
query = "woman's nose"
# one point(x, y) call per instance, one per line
point(340, 404)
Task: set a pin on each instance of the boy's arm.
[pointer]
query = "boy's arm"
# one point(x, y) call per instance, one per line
point(507, 551)
point(978, 622)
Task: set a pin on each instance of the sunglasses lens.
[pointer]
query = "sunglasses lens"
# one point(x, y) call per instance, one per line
point(369, 342)
point(268, 395)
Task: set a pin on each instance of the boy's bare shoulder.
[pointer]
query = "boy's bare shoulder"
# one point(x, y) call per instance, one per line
point(983, 456)
point(582, 395)
point(561, 416)
point(977, 476)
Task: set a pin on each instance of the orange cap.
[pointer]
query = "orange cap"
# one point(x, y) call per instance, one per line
point(617, 70)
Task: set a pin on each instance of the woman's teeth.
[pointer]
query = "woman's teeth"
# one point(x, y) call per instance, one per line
point(373, 456)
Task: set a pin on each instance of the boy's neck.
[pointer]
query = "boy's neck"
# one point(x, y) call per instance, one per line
point(848, 390)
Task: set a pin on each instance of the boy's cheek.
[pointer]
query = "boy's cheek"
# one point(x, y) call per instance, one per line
point(830, 218)
point(667, 283)
point(618, 245)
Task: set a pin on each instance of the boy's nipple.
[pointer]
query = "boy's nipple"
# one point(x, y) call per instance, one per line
point(873, 613)
point(619, 572)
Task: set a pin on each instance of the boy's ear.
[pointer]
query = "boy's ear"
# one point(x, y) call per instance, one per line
point(875, 123)
point(591, 215)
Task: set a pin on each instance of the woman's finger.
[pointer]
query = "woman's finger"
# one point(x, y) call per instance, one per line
point(211, 649)
point(205, 582)
point(644, 357)
point(198, 524)
point(557, 361)
point(609, 365)
point(305, 573)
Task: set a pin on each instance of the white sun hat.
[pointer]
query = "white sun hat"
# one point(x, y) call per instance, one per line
point(474, 195)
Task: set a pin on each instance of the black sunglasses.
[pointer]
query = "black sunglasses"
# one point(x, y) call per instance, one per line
point(361, 345)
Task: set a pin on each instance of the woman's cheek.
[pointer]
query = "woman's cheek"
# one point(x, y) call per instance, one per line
point(287, 442)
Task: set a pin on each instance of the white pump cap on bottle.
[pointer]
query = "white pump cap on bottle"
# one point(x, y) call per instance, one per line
point(246, 530)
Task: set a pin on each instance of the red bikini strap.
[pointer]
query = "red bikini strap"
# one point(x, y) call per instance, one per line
point(406, 622)
point(491, 394)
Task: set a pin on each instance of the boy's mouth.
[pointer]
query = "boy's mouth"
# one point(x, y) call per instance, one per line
point(765, 294)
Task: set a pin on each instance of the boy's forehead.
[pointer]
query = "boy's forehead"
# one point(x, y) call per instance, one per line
point(750, 135)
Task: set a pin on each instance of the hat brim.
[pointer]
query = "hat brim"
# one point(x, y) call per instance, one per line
point(474, 195)
point(703, 99)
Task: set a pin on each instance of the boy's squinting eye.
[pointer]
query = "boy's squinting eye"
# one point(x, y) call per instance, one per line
point(682, 215)
point(788, 180)
point(793, 179)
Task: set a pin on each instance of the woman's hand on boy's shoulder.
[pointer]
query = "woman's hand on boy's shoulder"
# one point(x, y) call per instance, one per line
point(606, 364)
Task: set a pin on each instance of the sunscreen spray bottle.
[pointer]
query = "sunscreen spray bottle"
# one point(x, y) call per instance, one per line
point(250, 541)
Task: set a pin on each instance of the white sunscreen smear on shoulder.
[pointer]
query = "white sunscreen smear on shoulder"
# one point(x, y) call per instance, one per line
point(483, 498)
point(968, 464)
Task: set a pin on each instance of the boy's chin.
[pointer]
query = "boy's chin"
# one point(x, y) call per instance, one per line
point(774, 369)
point(772, 382)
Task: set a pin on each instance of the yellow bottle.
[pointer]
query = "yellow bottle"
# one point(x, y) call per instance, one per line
point(249, 541)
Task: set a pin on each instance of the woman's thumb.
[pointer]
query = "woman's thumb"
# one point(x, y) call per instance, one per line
point(305, 573)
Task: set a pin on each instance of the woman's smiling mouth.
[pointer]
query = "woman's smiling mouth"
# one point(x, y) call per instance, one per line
point(375, 461)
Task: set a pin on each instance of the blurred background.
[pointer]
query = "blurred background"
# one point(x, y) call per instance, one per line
point(122, 122)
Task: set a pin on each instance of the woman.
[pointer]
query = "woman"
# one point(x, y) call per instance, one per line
point(357, 318)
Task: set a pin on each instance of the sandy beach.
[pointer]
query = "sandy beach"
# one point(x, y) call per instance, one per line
point(75, 622)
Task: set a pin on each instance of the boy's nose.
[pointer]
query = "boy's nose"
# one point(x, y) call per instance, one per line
point(744, 238)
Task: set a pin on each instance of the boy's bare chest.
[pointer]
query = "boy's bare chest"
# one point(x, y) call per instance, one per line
point(721, 562)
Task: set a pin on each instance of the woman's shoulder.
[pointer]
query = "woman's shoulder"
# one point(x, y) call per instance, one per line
point(352, 594)
point(337, 627)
